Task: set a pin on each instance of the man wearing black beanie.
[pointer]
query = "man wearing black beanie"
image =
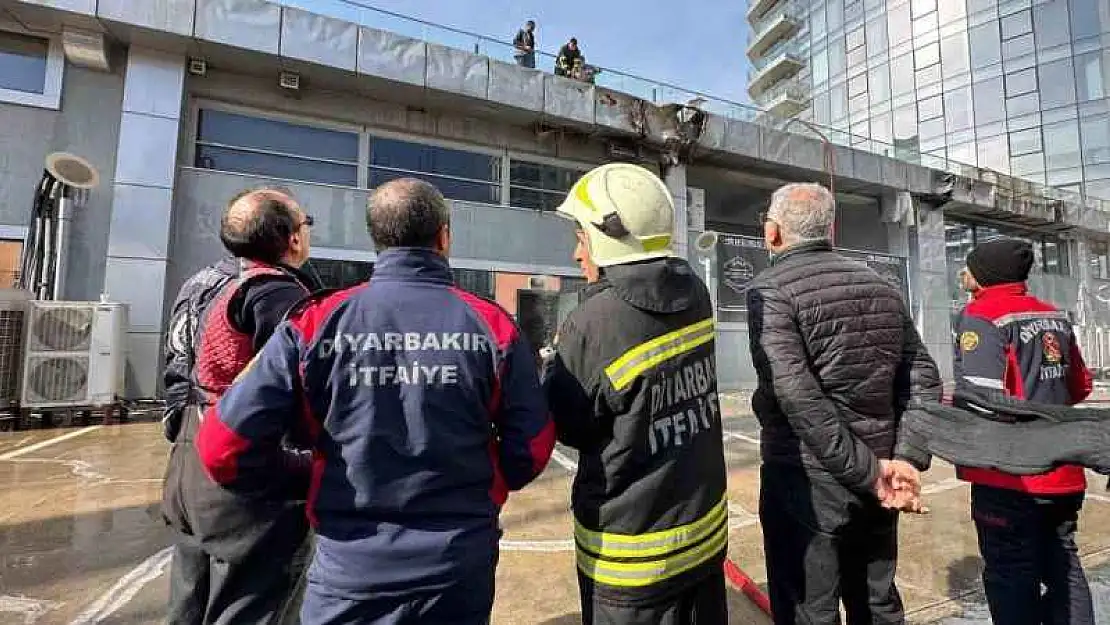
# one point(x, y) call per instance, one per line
point(1009, 340)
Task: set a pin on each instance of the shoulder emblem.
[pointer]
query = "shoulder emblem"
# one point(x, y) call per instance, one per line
point(969, 341)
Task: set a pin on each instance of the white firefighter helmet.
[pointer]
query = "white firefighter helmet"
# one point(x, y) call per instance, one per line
point(626, 211)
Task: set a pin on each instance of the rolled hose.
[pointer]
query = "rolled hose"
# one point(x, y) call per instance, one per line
point(737, 577)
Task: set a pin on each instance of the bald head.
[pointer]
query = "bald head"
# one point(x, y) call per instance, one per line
point(803, 212)
point(259, 224)
point(407, 212)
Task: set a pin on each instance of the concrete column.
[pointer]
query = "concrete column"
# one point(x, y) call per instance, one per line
point(138, 241)
point(675, 178)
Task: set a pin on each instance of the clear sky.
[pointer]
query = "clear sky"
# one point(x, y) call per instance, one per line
point(696, 44)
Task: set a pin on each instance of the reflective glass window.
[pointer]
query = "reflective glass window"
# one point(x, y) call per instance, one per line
point(1017, 47)
point(1050, 24)
point(1022, 105)
point(838, 102)
point(905, 122)
point(986, 48)
point(23, 62)
point(954, 54)
point(926, 56)
point(858, 104)
point(853, 11)
point(876, 37)
point(930, 108)
point(432, 159)
point(951, 11)
point(1027, 165)
point(1016, 24)
point(836, 59)
point(898, 23)
point(820, 66)
point(1089, 76)
point(817, 26)
point(924, 28)
point(1086, 18)
point(1057, 84)
point(1095, 132)
point(1021, 82)
point(921, 7)
point(1025, 141)
point(857, 85)
point(340, 274)
point(854, 39)
point(821, 113)
point(932, 128)
point(929, 77)
point(1061, 145)
point(989, 103)
point(1098, 188)
point(857, 57)
point(835, 14)
point(879, 84)
point(901, 74)
point(539, 186)
point(881, 129)
point(958, 109)
point(994, 154)
point(269, 147)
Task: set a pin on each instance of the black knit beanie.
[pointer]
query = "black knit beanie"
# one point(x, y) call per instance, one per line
point(1001, 261)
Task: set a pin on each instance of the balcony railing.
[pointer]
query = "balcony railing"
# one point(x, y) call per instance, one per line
point(360, 12)
point(779, 25)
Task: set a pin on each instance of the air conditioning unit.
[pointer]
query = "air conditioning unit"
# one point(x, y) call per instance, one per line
point(14, 304)
point(74, 355)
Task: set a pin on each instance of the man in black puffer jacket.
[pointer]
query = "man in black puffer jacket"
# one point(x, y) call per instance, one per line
point(838, 360)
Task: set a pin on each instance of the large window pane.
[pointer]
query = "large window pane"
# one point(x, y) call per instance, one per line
point(1095, 133)
point(958, 109)
point(1025, 141)
point(542, 176)
point(1086, 18)
point(876, 37)
point(986, 48)
point(1057, 84)
point(835, 14)
point(817, 25)
point(340, 274)
point(23, 62)
point(857, 86)
point(838, 103)
point(1050, 24)
point(879, 84)
point(905, 122)
point(994, 154)
point(1089, 76)
point(901, 74)
point(1017, 47)
point(272, 165)
point(989, 106)
point(1098, 188)
point(951, 10)
point(857, 58)
point(926, 56)
point(930, 108)
point(881, 130)
point(451, 188)
point(1022, 105)
point(257, 133)
point(898, 24)
point(854, 39)
point(1016, 24)
point(821, 113)
point(1021, 82)
point(954, 54)
point(432, 159)
point(922, 7)
point(1061, 145)
point(1026, 165)
point(820, 66)
point(836, 59)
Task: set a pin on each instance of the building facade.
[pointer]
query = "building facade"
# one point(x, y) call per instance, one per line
point(179, 104)
point(1021, 87)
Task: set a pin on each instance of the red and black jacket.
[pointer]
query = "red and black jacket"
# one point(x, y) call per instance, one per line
point(1011, 341)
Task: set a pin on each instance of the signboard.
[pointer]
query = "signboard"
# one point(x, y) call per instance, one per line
point(740, 259)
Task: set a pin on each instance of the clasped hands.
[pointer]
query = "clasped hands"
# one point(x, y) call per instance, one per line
point(899, 487)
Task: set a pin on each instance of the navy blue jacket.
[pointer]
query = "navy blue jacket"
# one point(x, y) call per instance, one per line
point(423, 405)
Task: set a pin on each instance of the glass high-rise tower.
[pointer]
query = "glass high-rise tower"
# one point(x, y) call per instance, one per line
point(1021, 87)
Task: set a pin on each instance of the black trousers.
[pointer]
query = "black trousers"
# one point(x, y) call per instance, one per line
point(703, 603)
point(824, 544)
point(1028, 541)
point(256, 591)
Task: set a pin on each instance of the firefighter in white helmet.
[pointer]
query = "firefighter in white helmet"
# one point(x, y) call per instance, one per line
point(632, 386)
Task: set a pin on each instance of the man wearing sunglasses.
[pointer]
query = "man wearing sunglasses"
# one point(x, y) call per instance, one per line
point(236, 559)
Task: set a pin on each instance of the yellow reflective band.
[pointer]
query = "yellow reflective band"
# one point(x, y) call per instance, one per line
point(582, 193)
point(624, 370)
point(656, 243)
point(638, 574)
point(608, 545)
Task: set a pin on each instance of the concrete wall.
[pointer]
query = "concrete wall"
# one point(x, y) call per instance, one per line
point(87, 125)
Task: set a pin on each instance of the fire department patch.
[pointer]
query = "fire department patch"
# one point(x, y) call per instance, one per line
point(1051, 344)
point(969, 341)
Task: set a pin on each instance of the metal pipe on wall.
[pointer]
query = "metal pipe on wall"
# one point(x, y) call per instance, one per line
point(62, 228)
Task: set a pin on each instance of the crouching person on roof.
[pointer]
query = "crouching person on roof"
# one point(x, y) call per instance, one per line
point(423, 408)
point(632, 386)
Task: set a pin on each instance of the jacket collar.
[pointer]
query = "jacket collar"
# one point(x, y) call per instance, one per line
point(306, 280)
point(1001, 290)
point(801, 248)
point(412, 263)
point(664, 285)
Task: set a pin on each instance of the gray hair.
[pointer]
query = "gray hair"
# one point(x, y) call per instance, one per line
point(804, 211)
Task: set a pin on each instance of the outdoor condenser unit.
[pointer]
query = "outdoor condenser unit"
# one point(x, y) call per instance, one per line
point(74, 355)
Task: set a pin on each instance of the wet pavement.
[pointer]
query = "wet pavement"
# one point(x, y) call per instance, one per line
point(81, 542)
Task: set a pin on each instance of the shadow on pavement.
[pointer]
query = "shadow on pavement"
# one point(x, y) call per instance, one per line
point(963, 576)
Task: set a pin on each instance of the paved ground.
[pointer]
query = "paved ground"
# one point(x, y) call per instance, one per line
point(80, 542)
